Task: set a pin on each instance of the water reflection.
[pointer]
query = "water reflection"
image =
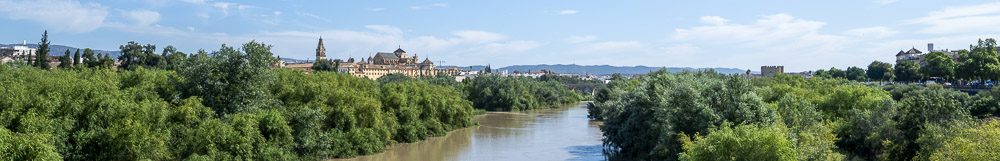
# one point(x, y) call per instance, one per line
point(555, 134)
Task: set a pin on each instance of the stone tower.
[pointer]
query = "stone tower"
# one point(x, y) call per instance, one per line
point(320, 50)
point(770, 71)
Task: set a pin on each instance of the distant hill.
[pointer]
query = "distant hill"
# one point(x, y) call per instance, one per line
point(60, 50)
point(598, 69)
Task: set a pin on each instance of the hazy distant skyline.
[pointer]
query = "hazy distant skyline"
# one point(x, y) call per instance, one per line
point(801, 35)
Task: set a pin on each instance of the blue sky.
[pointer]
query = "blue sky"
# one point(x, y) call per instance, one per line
point(801, 35)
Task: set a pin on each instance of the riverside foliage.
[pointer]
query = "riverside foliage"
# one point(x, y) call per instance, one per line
point(493, 92)
point(223, 105)
point(708, 116)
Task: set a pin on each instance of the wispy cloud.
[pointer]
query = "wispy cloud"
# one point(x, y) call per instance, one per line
point(58, 15)
point(772, 39)
point(715, 20)
point(306, 14)
point(376, 9)
point(872, 32)
point(580, 39)
point(884, 2)
point(143, 17)
point(568, 12)
point(440, 5)
point(962, 19)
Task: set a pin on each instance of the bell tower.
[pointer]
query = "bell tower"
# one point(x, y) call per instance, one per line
point(320, 50)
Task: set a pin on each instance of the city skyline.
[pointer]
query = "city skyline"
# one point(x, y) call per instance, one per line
point(801, 36)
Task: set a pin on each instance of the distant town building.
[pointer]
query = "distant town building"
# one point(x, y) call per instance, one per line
point(22, 52)
point(918, 56)
point(381, 64)
point(770, 71)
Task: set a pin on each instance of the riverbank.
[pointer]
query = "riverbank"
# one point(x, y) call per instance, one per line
point(562, 133)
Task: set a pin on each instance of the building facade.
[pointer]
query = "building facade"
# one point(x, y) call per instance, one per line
point(383, 63)
point(770, 71)
point(17, 53)
point(917, 56)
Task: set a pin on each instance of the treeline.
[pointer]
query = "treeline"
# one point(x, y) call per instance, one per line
point(979, 62)
point(493, 92)
point(708, 116)
point(223, 105)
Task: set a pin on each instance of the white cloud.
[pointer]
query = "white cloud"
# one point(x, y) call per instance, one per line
point(962, 19)
point(873, 32)
point(715, 20)
point(568, 12)
point(191, 28)
point(385, 29)
point(778, 39)
point(580, 39)
point(143, 17)
point(376, 9)
point(884, 2)
point(194, 1)
point(430, 5)
point(773, 31)
point(204, 15)
point(474, 36)
point(57, 15)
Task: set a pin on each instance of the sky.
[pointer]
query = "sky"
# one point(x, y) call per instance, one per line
point(800, 35)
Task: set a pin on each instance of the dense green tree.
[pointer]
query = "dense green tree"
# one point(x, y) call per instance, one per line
point(644, 123)
point(424, 110)
point(42, 54)
point(232, 80)
point(907, 70)
point(960, 68)
point(64, 61)
point(107, 62)
point(967, 140)
point(981, 61)
point(324, 65)
point(743, 142)
point(856, 74)
point(173, 59)
point(133, 55)
point(148, 114)
point(930, 105)
point(986, 104)
point(939, 64)
point(880, 71)
point(91, 60)
point(493, 92)
point(393, 78)
point(76, 58)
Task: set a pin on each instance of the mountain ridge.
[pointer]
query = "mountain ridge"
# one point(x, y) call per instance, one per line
point(598, 69)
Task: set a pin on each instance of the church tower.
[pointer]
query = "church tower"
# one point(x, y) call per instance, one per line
point(320, 50)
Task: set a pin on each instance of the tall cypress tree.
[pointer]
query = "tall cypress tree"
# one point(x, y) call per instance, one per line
point(76, 58)
point(42, 57)
point(64, 60)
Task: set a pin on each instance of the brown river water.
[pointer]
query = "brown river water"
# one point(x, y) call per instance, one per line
point(539, 135)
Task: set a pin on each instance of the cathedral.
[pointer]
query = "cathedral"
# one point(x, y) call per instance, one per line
point(383, 63)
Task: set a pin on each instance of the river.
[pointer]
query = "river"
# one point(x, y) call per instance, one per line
point(544, 135)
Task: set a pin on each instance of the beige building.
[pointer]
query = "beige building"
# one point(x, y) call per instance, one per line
point(918, 56)
point(382, 63)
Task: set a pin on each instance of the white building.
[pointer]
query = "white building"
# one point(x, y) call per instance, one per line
point(918, 56)
point(17, 52)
